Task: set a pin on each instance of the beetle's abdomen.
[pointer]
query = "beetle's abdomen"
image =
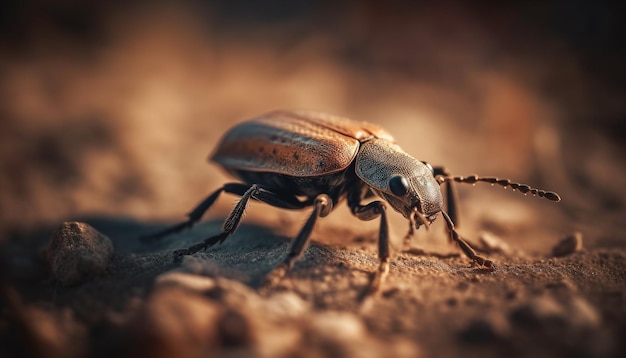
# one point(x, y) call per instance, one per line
point(286, 143)
point(333, 184)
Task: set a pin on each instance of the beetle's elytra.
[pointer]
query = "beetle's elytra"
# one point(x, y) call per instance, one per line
point(297, 159)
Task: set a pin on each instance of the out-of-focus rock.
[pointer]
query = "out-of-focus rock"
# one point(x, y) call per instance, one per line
point(285, 305)
point(77, 251)
point(174, 322)
point(539, 311)
point(192, 282)
point(545, 312)
point(344, 334)
point(193, 316)
point(337, 326)
point(36, 332)
point(569, 245)
point(490, 242)
point(478, 331)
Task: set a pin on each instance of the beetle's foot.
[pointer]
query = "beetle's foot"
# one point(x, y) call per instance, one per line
point(377, 280)
point(178, 254)
point(406, 242)
point(484, 263)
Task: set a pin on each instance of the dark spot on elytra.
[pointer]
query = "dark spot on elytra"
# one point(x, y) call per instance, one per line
point(320, 163)
point(296, 156)
point(261, 149)
point(274, 151)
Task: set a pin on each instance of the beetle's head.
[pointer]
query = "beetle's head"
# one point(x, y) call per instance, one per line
point(416, 196)
point(407, 184)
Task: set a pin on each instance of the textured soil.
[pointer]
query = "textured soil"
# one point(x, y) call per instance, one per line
point(433, 303)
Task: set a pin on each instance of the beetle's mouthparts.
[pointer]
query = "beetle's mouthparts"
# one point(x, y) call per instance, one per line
point(419, 219)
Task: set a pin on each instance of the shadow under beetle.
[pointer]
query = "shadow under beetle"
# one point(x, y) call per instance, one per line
point(297, 159)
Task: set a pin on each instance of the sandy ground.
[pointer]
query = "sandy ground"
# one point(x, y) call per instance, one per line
point(433, 303)
point(109, 121)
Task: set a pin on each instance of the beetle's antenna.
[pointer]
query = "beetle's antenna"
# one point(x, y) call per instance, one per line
point(523, 188)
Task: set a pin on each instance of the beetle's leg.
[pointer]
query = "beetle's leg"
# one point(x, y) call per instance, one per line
point(450, 193)
point(232, 221)
point(467, 249)
point(240, 189)
point(229, 226)
point(370, 212)
point(194, 216)
point(322, 206)
point(410, 233)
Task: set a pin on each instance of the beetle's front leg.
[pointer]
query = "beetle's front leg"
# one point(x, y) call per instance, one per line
point(370, 212)
point(451, 195)
point(410, 233)
point(467, 249)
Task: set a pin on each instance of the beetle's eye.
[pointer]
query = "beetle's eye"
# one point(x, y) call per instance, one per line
point(430, 167)
point(399, 185)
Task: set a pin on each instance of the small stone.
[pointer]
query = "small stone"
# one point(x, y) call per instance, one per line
point(569, 245)
point(77, 251)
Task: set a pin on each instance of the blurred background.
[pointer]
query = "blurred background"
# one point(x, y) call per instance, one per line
point(111, 109)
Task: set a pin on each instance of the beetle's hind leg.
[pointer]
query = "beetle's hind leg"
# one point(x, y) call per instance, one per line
point(232, 221)
point(196, 213)
point(193, 217)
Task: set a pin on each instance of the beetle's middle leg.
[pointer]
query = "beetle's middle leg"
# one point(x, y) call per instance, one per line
point(369, 212)
point(322, 206)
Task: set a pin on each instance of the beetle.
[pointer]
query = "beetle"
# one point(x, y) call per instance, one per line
point(300, 159)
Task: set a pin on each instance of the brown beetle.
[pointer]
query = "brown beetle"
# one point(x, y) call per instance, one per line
point(294, 160)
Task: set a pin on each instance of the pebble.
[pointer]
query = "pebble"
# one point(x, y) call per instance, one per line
point(569, 245)
point(77, 252)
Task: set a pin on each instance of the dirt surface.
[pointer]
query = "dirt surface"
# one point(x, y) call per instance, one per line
point(109, 113)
